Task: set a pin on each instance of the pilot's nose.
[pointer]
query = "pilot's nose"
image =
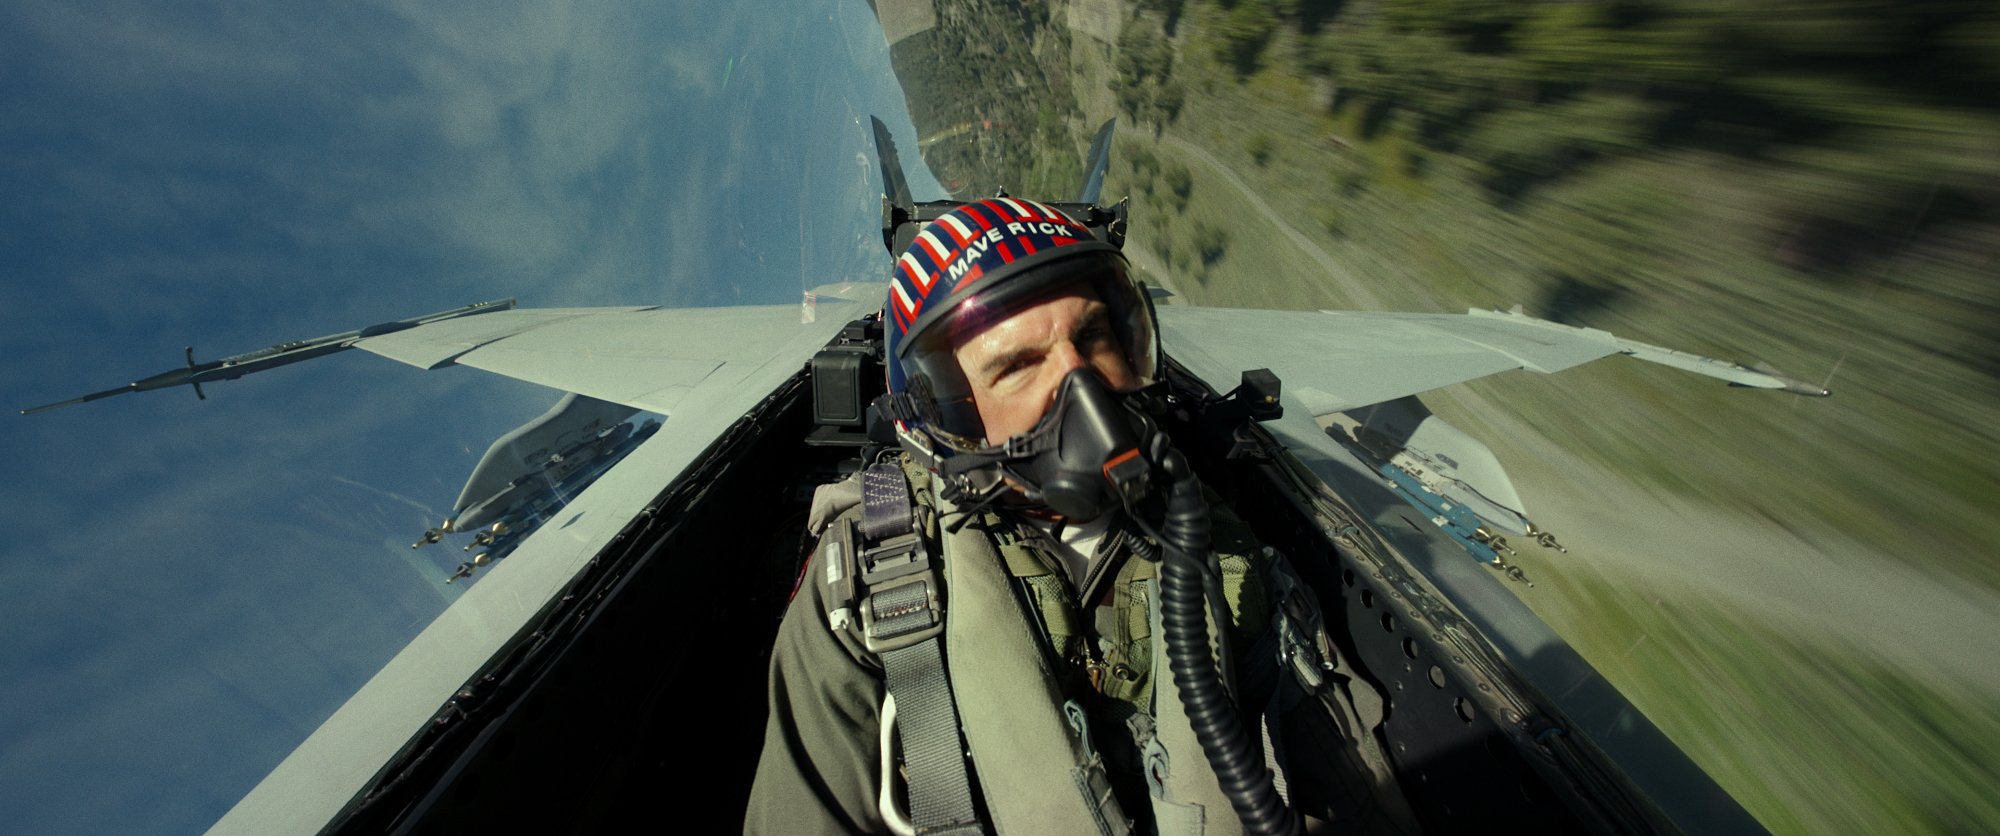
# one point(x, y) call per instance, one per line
point(1062, 360)
point(1067, 358)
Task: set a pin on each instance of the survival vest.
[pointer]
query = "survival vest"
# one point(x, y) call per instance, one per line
point(978, 631)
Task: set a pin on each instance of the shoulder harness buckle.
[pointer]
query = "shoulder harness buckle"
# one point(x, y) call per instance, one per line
point(902, 604)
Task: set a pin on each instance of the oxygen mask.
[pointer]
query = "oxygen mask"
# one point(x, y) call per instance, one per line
point(1092, 452)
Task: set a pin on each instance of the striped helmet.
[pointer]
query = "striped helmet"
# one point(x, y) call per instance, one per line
point(974, 265)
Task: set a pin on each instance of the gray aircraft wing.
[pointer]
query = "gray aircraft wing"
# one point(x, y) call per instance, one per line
point(666, 360)
point(1332, 361)
point(648, 358)
point(706, 367)
point(282, 354)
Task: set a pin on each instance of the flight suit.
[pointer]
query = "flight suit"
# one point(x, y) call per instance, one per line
point(821, 765)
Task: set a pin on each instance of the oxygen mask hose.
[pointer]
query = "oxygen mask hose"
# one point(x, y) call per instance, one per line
point(1184, 621)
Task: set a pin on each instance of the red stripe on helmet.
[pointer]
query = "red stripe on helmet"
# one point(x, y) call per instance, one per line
point(931, 244)
point(971, 274)
point(1006, 255)
point(919, 278)
point(904, 302)
point(964, 212)
point(936, 256)
point(896, 315)
point(960, 233)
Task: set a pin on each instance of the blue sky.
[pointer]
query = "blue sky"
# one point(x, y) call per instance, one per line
point(190, 587)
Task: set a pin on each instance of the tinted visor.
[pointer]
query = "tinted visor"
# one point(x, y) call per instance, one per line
point(939, 385)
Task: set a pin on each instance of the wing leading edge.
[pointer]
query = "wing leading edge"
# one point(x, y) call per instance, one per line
point(1333, 361)
point(648, 358)
point(645, 358)
point(282, 354)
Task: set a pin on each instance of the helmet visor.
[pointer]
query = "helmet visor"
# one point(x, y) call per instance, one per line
point(1000, 346)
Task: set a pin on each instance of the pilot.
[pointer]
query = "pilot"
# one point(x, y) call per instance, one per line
point(984, 637)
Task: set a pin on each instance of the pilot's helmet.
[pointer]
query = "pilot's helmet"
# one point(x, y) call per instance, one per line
point(976, 265)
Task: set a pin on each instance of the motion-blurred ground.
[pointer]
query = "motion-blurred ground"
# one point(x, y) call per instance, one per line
point(1803, 594)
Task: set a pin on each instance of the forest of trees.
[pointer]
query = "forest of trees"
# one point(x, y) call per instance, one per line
point(1846, 135)
point(1883, 117)
point(1816, 184)
point(989, 92)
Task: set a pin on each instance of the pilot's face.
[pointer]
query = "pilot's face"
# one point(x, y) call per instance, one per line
point(1016, 365)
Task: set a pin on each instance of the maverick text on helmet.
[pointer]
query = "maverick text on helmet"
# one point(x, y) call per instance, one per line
point(972, 268)
point(1011, 326)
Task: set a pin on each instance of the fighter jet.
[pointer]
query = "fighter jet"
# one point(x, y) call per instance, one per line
point(624, 638)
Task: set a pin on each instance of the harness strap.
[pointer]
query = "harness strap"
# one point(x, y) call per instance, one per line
point(903, 624)
point(886, 510)
point(1008, 690)
point(940, 792)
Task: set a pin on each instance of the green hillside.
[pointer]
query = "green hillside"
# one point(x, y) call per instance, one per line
point(1816, 186)
point(1815, 189)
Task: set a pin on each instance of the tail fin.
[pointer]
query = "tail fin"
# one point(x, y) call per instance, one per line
point(1096, 163)
point(894, 188)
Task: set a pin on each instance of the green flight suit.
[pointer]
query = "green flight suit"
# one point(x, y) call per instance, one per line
point(820, 770)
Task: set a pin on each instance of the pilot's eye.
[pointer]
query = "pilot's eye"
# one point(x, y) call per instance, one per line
point(1094, 333)
point(1016, 367)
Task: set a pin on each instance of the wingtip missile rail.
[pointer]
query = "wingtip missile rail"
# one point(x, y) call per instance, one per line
point(1756, 376)
point(282, 354)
